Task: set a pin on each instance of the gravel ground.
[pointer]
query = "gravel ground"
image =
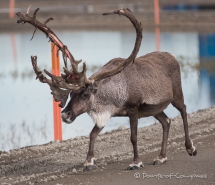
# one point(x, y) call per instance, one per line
point(61, 162)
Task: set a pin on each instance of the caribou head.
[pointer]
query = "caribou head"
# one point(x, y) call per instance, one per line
point(72, 82)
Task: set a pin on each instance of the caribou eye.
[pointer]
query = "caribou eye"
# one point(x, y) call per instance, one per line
point(85, 96)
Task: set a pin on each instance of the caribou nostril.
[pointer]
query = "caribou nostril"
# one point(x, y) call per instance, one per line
point(68, 114)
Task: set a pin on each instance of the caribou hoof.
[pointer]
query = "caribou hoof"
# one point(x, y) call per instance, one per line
point(89, 165)
point(134, 166)
point(191, 150)
point(158, 161)
point(192, 153)
point(88, 168)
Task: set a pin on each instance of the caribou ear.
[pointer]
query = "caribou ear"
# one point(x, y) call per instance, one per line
point(93, 88)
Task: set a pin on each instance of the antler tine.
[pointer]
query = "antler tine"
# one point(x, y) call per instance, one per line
point(73, 62)
point(35, 13)
point(33, 34)
point(138, 27)
point(39, 73)
point(23, 18)
point(87, 81)
point(49, 19)
point(27, 12)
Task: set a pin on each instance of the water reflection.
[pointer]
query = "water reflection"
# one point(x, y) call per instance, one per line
point(207, 54)
point(26, 104)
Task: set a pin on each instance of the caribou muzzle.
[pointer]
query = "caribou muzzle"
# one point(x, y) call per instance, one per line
point(68, 116)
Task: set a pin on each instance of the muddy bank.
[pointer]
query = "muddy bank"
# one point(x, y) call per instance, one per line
point(49, 162)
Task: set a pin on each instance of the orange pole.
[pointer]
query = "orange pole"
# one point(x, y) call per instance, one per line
point(157, 38)
point(157, 24)
point(156, 11)
point(11, 5)
point(56, 108)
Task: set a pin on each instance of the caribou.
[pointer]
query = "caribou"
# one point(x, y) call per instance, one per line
point(132, 87)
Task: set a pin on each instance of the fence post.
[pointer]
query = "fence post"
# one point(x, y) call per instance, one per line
point(56, 108)
point(11, 9)
point(157, 24)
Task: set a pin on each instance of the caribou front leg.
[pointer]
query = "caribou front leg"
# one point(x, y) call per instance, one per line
point(165, 121)
point(90, 160)
point(137, 163)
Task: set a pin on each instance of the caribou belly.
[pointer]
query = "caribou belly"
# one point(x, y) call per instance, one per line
point(146, 110)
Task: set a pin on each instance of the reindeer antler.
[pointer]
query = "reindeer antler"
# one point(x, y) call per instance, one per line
point(72, 79)
point(107, 72)
point(23, 18)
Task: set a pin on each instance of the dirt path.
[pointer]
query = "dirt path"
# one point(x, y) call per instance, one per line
point(199, 169)
point(61, 162)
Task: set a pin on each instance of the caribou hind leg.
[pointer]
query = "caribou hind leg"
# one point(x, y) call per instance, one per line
point(90, 160)
point(191, 150)
point(137, 163)
point(178, 103)
point(165, 121)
